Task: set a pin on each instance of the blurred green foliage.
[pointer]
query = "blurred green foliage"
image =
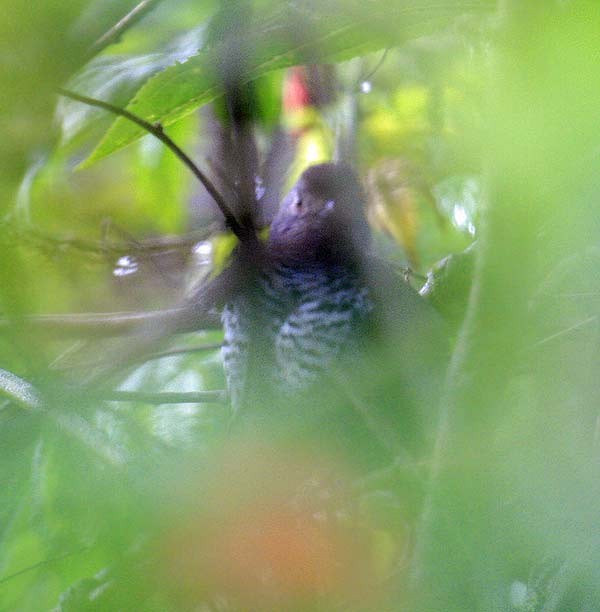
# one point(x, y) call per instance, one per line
point(469, 121)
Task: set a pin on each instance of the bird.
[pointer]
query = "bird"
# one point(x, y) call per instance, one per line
point(322, 329)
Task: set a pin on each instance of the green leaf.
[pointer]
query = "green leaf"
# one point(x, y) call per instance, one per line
point(448, 284)
point(116, 79)
point(286, 37)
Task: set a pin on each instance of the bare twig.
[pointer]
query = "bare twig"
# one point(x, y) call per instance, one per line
point(567, 330)
point(199, 397)
point(386, 436)
point(58, 365)
point(158, 132)
point(214, 346)
point(377, 66)
point(114, 34)
point(113, 247)
point(43, 563)
point(104, 325)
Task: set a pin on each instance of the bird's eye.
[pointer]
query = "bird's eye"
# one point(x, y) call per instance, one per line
point(330, 205)
point(296, 202)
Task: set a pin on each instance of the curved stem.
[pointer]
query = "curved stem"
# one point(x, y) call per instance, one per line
point(199, 397)
point(157, 131)
point(115, 33)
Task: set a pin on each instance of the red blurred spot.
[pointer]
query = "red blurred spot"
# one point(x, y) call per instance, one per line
point(296, 94)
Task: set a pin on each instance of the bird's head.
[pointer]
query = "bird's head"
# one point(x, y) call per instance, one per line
point(322, 218)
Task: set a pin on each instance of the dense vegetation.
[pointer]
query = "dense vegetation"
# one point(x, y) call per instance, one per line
point(474, 127)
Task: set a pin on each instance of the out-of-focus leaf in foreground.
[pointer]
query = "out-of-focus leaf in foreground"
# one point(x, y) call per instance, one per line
point(283, 35)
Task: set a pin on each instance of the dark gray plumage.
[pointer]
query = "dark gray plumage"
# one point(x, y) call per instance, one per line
point(320, 313)
point(299, 322)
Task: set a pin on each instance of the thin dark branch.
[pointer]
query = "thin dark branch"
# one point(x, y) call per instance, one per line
point(113, 247)
point(409, 273)
point(35, 566)
point(57, 365)
point(377, 66)
point(214, 346)
point(157, 131)
point(567, 330)
point(401, 466)
point(104, 325)
point(387, 437)
point(199, 397)
point(114, 34)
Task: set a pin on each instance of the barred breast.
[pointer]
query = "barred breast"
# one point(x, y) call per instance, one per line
point(292, 328)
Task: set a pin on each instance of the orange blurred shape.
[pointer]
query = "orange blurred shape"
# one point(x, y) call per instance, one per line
point(271, 530)
point(285, 552)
